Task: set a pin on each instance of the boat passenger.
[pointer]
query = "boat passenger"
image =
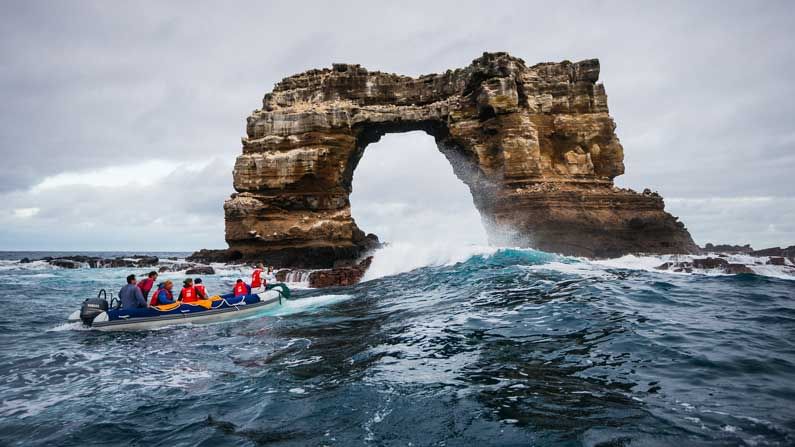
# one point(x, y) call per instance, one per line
point(188, 293)
point(147, 283)
point(241, 288)
point(130, 295)
point(256, 277)
point(201, 292)
point(163, 295)
point(270, 276)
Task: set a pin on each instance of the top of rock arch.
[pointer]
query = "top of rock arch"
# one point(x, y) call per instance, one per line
point(359, 87)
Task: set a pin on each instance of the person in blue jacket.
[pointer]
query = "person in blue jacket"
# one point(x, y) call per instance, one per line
point(163, 295)
point(130, 295)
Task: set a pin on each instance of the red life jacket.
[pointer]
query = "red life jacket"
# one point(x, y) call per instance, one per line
point(201, 292)
point(240, 289)
point(188, 294)
point(146, 285)
point(256, 281)
point(154, 301)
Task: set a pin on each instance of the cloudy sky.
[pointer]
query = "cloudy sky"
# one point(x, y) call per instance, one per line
point(120, 122)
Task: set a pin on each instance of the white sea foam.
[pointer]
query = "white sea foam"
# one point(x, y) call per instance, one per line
point(304, 304)
point(403, 257)
point(74, 326)
point(650, 263)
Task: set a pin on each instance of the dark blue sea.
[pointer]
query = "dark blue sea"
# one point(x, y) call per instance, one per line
point(492, 347)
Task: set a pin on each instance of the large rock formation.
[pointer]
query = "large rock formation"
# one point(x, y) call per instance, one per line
point(535, 145)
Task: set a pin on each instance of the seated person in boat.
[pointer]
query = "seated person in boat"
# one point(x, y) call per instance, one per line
point(163, 295)
point(201, 292)
point(188, 292)
point(241, 288)
point(130, 295)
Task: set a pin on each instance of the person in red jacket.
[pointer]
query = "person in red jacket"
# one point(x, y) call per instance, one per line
point(257, 280)
point(147, 283)
point(241, 288)
point(188, 292)
point(201, 292)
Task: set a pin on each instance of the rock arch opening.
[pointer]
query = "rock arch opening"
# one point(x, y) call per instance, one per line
point(405, 190)
point(535, 145)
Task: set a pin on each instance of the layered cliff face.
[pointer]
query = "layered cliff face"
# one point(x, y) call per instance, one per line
point(535, 145)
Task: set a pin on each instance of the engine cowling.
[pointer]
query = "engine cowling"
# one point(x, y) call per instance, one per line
point(91, 308)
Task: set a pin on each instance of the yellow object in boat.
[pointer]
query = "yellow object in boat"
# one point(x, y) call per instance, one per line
point(167, 307)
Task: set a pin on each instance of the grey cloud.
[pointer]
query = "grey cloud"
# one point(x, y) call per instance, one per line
point(700, 90)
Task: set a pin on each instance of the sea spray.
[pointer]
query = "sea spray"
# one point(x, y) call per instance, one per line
point(402, 257)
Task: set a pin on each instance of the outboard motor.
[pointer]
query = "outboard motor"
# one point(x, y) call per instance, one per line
point(93, 307)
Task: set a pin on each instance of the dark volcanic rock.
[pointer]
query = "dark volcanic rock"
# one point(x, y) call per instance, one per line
point(710, 263)
point(281, 275)
point(25, 261)
point(78, 261)
point(535, 145)
point(66, 263)
point(776, 260)
point(788, 252)
point(341, 276)
point(706, 264)
point(728, 248)
point(200, 270)
point(736, 269)
point(208, 256)
point(146, 261)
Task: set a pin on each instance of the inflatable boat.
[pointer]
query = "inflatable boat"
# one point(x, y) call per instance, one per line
point(98, 314)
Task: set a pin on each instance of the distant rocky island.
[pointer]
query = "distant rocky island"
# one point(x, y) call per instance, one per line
point(535, 145)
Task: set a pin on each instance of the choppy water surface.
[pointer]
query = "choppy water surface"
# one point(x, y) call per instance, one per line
point(508, 347)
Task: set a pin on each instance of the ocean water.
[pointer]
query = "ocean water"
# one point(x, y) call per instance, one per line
point(474, 347)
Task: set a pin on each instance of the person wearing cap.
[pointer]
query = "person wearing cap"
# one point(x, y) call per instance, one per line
point(188, 293)
point(201, 292)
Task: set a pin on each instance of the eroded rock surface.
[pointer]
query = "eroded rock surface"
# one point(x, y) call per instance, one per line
point(534, 144)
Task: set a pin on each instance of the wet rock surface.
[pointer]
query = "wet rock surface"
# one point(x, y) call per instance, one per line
point(535, 145)
point(340, 276)
point(347, 274)
point(722, 264)
point(200, 270)
point(78, 261)
point(727, 248)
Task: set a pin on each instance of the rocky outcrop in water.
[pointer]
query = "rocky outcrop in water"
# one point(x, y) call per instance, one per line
point(78, 261)
point(535, 145)
point(340, 276)
point(200, 270)
point(788, 252)
point(727, 248)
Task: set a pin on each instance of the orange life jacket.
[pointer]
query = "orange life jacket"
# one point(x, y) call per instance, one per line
point(188, 294)
point(201, 292)
point(240, 289)
point(256, 280)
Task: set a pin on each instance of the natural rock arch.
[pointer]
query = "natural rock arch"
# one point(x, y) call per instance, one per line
point(535, 145)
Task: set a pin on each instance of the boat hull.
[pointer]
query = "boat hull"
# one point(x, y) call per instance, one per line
point(264, 301)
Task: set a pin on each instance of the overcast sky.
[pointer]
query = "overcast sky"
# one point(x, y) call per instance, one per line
point(121, 122)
